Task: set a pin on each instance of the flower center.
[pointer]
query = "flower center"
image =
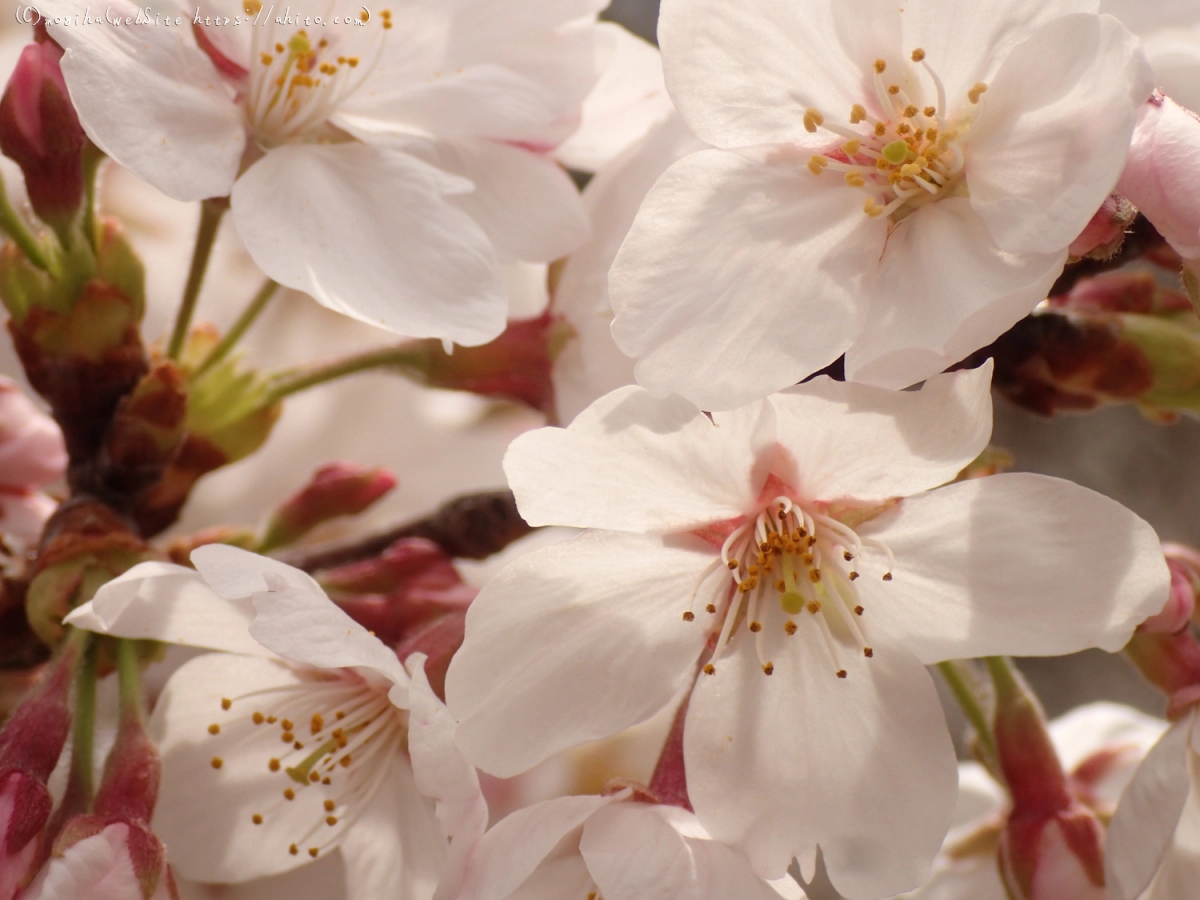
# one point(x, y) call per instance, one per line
point(792, 563)
point(296, 84)
point(336, 737)
point(911, 156)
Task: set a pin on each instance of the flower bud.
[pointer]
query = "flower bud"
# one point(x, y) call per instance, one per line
point(31, 444)
point(1184, 565)
point(1171, 662)
point(336, 489)
point(1103, 235)
point(125, 858)
point(145, 431)
point(515, 366)
point(40, 131)
point(30, 745)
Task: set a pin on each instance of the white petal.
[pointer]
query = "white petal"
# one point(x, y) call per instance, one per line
point(945, 290)
point(374, 234)
point(630, 462)
point(1180, 871)
point(1013, 564)
point(204, 814)
point(973, 877)
point(965, 43)
point(153, 101)
point(635, 851)
point(394, 851)
point(235, 573)
point(1141, 831)
point(628, 100)
point(979, 796)
point(574, 642)
point(516, 846)
point(304, 625)
point(732, 262)
point(163, 602)
point(861, 766)
point(443, 774)
point(869, 444)
point(743, 74)
point(1112, 727)
point(1055, 131)
point(525, 203)
point(96, 868)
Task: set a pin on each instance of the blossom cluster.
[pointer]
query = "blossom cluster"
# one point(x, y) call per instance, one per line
point(739, 390)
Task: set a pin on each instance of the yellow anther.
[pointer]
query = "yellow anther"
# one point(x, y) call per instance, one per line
point(816, 165)
point(768, 668)
point(858, 610)
point(910, 111)
point(226, 703)
point(329, 806)
point(331, 820)
point(868, 652)
point(880, 129)
point(855, 179)
point(756, 627)
point(709, 668)
point(689, 616)
point(902, 129)
point(364, 16)
point(910, 169)
point(880, 66)
point(858, 113)
point(352, 61)
point(881, 163)
point(918, 55)
point(790, 627)
point(893, 89)
point(318, 722)
point(217, 762)
point(258, 718)
point(813, 120)
point(976, 92)
point(929, 111)
point(313, 851)
point(293, 849)
point(289, 794)
point(251, 7)
point(279, 48)
point(274, 765)
point(872, 209)
point(266, 59)
point(851, 147)
point(256, 819)
point(214, 728)
point(814, 607)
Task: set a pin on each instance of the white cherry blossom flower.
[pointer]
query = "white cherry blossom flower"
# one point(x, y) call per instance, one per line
point(795, 549)
point(896, 182)
point(382, 166)
point(287, 746)
point(1170, 34)
point(1100, 745)
point(1153, 847)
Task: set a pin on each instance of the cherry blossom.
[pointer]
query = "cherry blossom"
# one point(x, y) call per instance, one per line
point(794, 552)
point(383, 166)
point(1170, 34)
point(896, 183)
point(31, 455)
point(290, 743)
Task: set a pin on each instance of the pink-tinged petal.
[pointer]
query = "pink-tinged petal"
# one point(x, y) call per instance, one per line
point(729, 264)
point(96, 868)
point(442, 773)
point(304, 625)
point(743, 74)
point(153, 101)
point(163, 602)
point(374, 234)
point(861, 766)
point(574, 642)
point(1162, 172)
point(31, 443)
point(592, 365)
point(634, 851)
point(23, 514)
point(944, 290)
point(630, 462)
point(628, 100)
point(394, 851)
point(235, 573)
point(519, 843)
point(205, 812)
point(1012, 564)
point(1055, 130)
point(1106, 728)
point(525, 202)
point(965, 43)
point(1141, 832)
point(849, 441)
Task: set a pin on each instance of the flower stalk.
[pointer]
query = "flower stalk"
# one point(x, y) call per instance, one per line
point(211, 212)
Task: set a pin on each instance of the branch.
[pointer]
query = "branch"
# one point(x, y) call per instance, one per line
point(473, 526)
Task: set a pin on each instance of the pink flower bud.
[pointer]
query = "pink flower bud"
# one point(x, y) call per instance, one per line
point(115, 860)
point(1105, 232)
point(1053, 858)
point(337, 489)
point(1184, 566)
point(1162, 172)
point(31, 445)
point(40, 131)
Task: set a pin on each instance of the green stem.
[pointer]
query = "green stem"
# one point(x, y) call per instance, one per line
point(248, 317)
point(129, 682)
point(14, 226)
point(1004, 677)
point(295, 380)
point(80, 787)
point(962, 684)
point(92, 157)
point(206, 234)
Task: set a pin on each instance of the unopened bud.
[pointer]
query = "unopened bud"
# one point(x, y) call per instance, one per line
point(1103, 235)
point(145, 431)
point(1054, 858)
point(336, 489)
point(40, 131)
point(1171, 662)
point(31, 444)
point(515, 366)
point(125, 857)
point(1184, 565)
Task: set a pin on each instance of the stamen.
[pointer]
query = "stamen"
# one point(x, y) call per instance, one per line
point(812, 120)
point(976, 92)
